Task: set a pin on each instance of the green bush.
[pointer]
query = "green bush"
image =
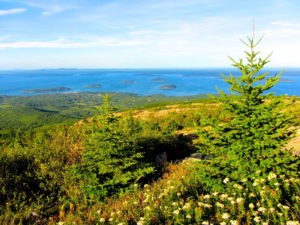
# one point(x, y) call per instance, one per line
point(112, 160)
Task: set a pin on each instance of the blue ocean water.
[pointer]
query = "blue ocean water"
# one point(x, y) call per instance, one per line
point(171, 82)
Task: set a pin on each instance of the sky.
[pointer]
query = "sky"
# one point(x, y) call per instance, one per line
point(144, 33)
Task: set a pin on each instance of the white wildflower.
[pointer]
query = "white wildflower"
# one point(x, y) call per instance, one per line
point(220, 205)
point(225, 216)
point(176, 212)
point(237, 186)
point(230, 199)
point(102, 220)
point(244, 180)
point(207, 206)
point(226, 180)
point(187, 206)
point(292, 222)
point(206, 196)
point(200, 203)
point(223, 196)
point(257, 219)
point(285, 207)
point(238, 200)
point(188, 216)
point(262, 209)
point(251, 206)
point(205, 223)
point(272, 176)
point(233, 222)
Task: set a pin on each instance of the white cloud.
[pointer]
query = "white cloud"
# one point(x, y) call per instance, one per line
point(66, 43)
point(282, 29)
point(11, 11)
point(48, 7)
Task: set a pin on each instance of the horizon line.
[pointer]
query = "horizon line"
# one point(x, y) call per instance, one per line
point(138, 68)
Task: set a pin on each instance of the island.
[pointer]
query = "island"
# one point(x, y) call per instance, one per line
point(158, 80)
point(47, 90)
point(168, 87)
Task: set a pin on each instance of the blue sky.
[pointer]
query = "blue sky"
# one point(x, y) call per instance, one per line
point(144, 33)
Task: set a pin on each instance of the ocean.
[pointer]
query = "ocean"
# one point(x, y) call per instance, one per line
point(170, 82)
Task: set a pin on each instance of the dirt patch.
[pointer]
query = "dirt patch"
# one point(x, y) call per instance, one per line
point(295, 143)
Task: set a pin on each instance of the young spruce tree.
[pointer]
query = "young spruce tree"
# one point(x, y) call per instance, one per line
point(255, 125)
point(112, 160)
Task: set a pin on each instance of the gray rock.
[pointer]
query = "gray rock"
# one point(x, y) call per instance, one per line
point(197, 155)
point(161, 159)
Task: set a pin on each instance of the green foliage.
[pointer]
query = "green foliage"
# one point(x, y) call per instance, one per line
point(90, 172)
point(38, 110)
point(254, 126)
point(111, 160)
point(18, 175)
point(179, 198)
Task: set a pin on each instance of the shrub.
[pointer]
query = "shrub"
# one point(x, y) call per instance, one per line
point(112, 160)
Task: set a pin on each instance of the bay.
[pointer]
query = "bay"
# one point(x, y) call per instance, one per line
point(169, 82)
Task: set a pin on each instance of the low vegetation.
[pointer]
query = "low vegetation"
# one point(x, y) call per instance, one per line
point(138, 166)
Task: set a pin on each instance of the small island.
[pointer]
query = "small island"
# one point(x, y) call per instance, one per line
point(285, 80)
point(47, 90)
point(168, 87)
point(92, 86)
point(158, 80)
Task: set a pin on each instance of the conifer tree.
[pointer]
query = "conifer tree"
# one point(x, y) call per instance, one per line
point(112, 160)
point(254, 125)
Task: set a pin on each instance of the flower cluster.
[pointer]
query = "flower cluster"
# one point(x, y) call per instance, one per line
point(178, 199)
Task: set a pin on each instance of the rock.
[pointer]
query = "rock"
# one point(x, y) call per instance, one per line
point(197, 155)
point(191, 136)
point(161, 159)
